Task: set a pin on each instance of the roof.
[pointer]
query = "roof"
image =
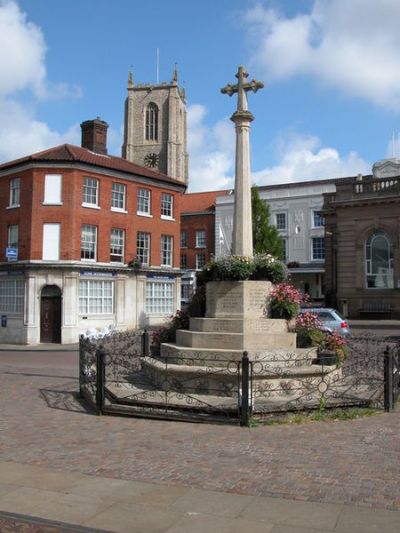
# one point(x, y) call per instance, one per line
point(68, 153)
point(197, 202)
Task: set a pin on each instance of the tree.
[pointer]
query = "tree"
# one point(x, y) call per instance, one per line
point(266, 238)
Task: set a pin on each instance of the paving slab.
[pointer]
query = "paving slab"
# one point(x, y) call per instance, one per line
point(202, 523)
point(293, 513)
point(360, 519)
point(132, 518)
point(209, 502)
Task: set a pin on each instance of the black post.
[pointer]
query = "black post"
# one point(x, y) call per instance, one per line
point(388, 377)
point(244, 404)
point(145, 343)
point(100, 381)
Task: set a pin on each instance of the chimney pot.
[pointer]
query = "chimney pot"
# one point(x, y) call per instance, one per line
point(94, 135)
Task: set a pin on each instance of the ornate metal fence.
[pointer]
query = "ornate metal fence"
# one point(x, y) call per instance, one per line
point(118, 375)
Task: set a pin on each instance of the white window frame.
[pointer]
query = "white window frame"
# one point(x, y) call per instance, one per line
point(90, 193)
point(285, 258)
point(52, 189)
point(143, 252)
point(384, 278)
point(117, 245)
point(200, 264)
point(314, 215)
point(183, 239)
point(89, 246)
point(167, 250)
point(12, 296)
point(15, 193)
point(51, 242)
point(167, 206)
point(313, 239)
point(96, 297)
point(200, 238)
point(144, 201)
point(281, 214)
point(118, 197)
point(160, 297)
point(13, 236)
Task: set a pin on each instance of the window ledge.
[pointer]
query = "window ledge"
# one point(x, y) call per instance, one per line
point(200, 247)
point(91, 206)
point(141, 214)
point(52, 203)
point(165, 217)
point(119, 210)
point(13, 206)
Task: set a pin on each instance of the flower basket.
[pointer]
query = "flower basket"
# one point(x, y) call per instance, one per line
point(326, 358)
point(277, 312)
point(303, 341)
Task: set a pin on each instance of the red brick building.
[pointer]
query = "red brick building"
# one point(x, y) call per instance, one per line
point(198, 228)
point(72, 220)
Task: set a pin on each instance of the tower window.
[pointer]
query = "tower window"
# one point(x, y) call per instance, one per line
point(151, 130)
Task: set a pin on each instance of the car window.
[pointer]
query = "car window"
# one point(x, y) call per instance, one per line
point(324, 315)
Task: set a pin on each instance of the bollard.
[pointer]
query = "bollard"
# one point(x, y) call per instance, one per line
point(388, 380)
point(145, 343)
point(100, 381)
point(244, 404)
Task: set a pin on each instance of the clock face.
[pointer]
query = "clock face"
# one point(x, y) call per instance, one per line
point(151, 160)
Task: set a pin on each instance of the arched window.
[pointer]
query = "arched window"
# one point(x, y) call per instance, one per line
point(379, 261)
point(151, 129)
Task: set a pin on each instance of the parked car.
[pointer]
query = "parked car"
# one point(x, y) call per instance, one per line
point(331, 319)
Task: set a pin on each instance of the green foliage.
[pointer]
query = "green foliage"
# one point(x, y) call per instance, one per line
point(167, 333)
point(239, 268)
point(266, 238)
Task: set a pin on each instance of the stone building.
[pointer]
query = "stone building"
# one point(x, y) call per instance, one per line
point(362, 228)
point(86, 240)
point(155, 133)
point(295, 211)
point(198, 228)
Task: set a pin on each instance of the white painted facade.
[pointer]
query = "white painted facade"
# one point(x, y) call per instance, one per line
point(297, 205)
point(130, 305)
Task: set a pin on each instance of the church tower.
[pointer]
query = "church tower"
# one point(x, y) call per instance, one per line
point(155, 132)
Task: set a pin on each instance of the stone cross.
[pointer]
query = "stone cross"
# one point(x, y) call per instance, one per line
point(242, 238)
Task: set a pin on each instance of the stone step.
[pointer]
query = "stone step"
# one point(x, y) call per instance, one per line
point(239, 325)
point(235, 341)
point(223, 380)
point(218, 356)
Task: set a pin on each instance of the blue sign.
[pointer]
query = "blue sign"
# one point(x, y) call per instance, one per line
point(12, 254)
point(97, 274)
point(159, 277)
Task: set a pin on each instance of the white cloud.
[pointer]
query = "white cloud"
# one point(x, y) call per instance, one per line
point(302, 158)
point(22, 67)
point(351, 45)
point(22, 134)
point(211, 151)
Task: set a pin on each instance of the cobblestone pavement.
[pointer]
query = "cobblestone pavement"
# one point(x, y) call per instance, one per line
point(42, 422)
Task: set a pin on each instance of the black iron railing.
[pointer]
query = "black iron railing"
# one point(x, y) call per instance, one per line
point(119, 375)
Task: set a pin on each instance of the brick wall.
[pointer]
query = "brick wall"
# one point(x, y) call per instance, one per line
point(32, 214)
point(191, 224)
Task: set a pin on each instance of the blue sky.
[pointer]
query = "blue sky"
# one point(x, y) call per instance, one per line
point(331, 70)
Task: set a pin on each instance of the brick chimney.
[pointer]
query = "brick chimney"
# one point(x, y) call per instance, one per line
point(94, 135)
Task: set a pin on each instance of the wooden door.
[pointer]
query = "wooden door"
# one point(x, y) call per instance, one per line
point(50, 319)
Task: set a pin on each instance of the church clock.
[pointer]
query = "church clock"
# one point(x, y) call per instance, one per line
point(151, 160)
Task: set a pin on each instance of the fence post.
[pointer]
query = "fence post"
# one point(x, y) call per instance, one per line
point(388, 377)
point(100, 381)
point(244, 404)
point(145, 343)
